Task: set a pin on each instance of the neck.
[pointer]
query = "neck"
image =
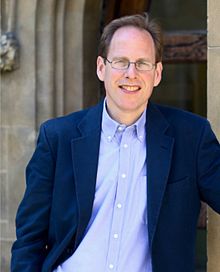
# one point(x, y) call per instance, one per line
point(126, 118)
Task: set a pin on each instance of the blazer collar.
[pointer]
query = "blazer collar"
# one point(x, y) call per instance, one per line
point(159, 154)
point(91, 121)
point(85, 153)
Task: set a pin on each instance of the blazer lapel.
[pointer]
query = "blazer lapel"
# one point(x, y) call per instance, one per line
point(159, 154)
point(85, 153)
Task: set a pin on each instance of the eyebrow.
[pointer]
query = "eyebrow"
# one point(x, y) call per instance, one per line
point(127, 59)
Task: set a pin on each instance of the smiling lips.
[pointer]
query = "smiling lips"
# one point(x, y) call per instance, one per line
point(130, 88)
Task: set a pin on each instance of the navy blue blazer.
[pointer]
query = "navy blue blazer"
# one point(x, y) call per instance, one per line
point(183, 167)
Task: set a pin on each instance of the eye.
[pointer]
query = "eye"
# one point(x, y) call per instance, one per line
point(144, 65)
point(120, 63)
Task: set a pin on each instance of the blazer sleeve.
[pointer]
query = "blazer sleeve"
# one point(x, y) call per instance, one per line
point(32, 220)
point(209, 168)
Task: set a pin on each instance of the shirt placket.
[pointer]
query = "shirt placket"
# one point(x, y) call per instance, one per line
point(119, 204)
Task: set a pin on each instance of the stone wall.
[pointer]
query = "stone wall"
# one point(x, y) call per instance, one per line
point(18, 123)
point(214, 117)
point(54, 37)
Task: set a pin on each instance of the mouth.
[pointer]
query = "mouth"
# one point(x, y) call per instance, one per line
point(130, 88)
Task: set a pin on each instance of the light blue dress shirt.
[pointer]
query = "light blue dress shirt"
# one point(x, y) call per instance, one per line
point(116, 237)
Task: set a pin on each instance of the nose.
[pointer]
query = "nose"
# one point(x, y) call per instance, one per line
point(131, 71)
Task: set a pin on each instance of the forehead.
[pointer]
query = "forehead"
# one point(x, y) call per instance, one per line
point(132, 40)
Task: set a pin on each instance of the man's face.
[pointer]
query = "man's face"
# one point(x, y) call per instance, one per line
point(128, 91)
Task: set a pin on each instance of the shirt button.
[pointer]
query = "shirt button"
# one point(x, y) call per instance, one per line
point(120, 128)
point(109, 138)
point(125, 145)
point(119, 205)
point(111, 266)
point(115, 236)
point(123, 176)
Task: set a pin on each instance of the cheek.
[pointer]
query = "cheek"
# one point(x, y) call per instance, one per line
point(111, 78)
point(149, 81)
point(108, 83)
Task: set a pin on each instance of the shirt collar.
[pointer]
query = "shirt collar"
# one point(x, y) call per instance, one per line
point(140, 125)
point(110, 126)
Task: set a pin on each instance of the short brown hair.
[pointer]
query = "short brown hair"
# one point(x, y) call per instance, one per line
point(140, 21)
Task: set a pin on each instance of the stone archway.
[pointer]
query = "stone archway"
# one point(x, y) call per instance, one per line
point(48, 82)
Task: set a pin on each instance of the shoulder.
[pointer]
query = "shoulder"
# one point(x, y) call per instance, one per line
point(180, 117)
point(188, 129)
point(72, 120)
point(181, 122)
point(67, 127)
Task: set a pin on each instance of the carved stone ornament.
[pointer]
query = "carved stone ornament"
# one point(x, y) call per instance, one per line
point(8, 52)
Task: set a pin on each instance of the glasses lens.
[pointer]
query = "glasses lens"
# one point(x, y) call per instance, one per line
point(123, 64)
point(120, 64)
point(144, 66)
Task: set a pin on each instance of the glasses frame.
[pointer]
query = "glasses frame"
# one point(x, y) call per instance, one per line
point(153, 65)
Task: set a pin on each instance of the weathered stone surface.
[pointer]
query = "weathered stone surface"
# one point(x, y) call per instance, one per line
point(3, 148)
point(49, 82)
point(214, 88)
point(5, 249)
point(3, 199)
point(213, 22)
point(213, 95)
point(213, 242)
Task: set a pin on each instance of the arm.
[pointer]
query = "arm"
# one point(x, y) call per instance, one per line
point(209, 168)
point(32, 220)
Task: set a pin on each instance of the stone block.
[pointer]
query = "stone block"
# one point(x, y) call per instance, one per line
point(3, 197)
point(3, 148)
point(5, 249)
point(213, 99)
point(18, 100)
point(213, 23)
point(213, 241)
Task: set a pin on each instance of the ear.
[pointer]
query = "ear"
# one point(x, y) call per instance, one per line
point(100, 68)
point(158, 74)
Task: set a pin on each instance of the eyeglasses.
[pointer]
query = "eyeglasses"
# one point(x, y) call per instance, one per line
point(123, 64)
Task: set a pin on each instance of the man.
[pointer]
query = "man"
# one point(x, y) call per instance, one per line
point(117, 187)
